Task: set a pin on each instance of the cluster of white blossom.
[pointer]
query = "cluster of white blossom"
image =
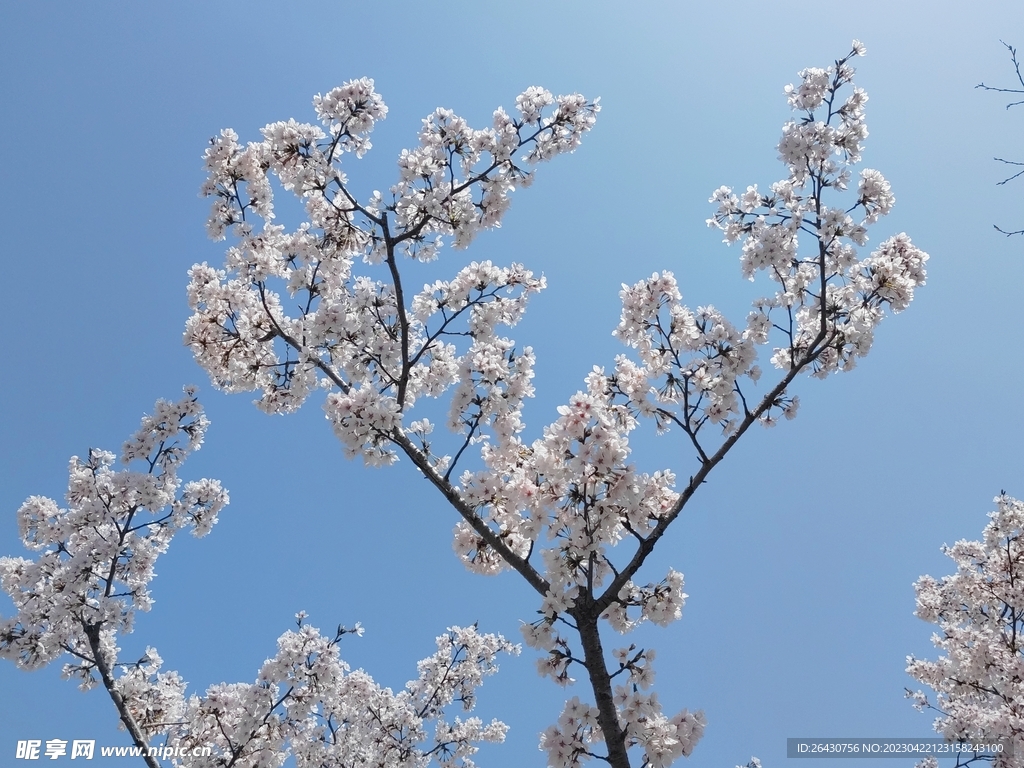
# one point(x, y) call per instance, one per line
point(663, 740)
point(638, 714)
point(287, 315)
point(980, 614)
point(692, 363)
point(575, 483)
point(97, 555)
point(97, 559)
point(355, 332)
point(828, 302)
point(688, 360)
point(307, 703)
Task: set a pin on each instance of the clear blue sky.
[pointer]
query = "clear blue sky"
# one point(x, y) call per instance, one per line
point(800, 553)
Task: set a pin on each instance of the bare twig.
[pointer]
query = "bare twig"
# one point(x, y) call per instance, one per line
point(1020, 91)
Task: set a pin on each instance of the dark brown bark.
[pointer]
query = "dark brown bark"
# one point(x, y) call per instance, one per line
point(92, 632)
point(601, 683)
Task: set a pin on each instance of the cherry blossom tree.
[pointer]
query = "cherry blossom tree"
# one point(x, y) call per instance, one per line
point(979, 610)
point(93, 575)
point(97, 561)
point(289, 314)
point(328, 305)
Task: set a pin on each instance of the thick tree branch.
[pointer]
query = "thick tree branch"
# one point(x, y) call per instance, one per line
point(517, 563)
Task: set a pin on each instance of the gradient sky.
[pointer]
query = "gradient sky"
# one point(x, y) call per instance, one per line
point(800, 553)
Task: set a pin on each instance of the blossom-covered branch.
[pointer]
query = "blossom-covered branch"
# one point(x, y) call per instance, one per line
point(307, 703)
point(979, 611)
point(554, 509)
point(97, 559)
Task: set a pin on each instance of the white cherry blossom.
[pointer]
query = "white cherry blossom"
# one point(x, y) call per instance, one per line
point(979, 611)
point(325, 306)
point(93, 572)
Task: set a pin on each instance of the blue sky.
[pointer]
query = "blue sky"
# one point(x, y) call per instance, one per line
point(800, 553)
